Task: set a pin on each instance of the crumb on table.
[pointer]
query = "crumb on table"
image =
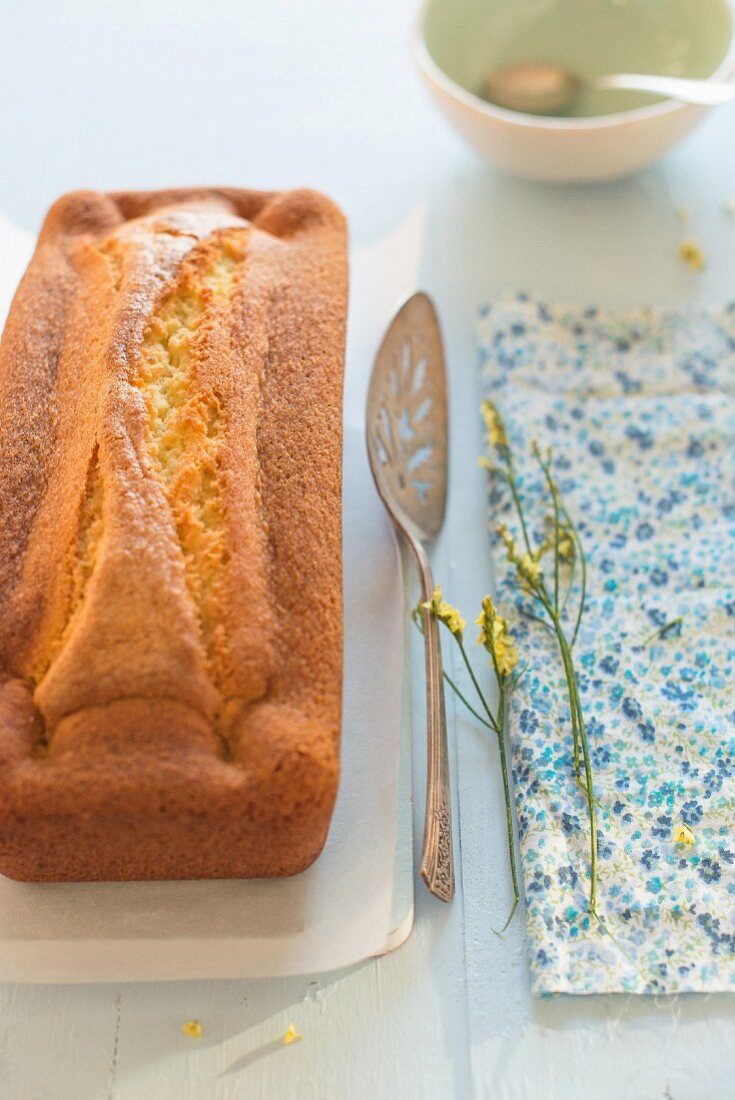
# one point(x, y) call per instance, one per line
point(291, 1035)
point(192, 1029)
point(692, 255)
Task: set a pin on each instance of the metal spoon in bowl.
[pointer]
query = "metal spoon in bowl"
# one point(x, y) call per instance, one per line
point(543, 88)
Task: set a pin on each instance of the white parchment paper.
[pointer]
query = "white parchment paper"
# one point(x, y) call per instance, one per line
point(357, 899)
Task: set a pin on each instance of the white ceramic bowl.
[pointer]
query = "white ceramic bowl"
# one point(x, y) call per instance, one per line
point(457, 41)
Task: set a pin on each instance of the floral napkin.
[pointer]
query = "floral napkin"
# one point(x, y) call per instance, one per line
point(640, 413)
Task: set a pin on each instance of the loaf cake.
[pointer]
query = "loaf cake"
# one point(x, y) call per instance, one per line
point(170, 537)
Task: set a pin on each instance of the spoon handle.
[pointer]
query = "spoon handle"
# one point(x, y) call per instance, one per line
point(437, 860)
point(708, 93)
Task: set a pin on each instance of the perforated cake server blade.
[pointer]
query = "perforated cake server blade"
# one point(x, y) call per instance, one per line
point(407, 441)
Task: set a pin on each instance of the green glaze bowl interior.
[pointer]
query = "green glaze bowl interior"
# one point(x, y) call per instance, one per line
point(688, 38)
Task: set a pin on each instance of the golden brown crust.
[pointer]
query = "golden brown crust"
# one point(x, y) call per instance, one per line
point(170, 551)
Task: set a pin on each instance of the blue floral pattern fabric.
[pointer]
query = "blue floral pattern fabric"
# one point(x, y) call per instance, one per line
point(640, 413)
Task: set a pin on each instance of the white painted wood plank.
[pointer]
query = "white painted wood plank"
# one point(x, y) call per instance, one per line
point(57, 1041)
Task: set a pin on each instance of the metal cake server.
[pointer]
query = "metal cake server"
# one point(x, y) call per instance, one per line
point(407, 445)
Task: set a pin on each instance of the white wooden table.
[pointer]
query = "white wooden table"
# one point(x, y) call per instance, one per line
point(154, 92)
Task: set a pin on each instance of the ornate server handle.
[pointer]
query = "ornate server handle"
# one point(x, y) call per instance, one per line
point(437, 860)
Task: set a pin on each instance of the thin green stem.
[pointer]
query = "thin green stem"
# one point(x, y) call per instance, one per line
point(543, 598)
point(556, 555)
point(574, 710)
point(575, 715)
point(509, 476)
point(555, 504)
point(579, 740)
point(663, 630)
point(508, 806)
point(535, 619)
point(502, 694)
point(478, 689)
point(589, 783)
point(583, 574)
point(467, 703)
point(568, 592)
point(519, 674)
point(561, 510)
point(517, 501)
point(457, 691)
point(580, 783)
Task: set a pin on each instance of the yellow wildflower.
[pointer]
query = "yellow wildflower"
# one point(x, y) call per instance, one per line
point(526, 564)
point(566, 545)
point(692, 255)
point(494, 637)
point(683, 834)
point(291, 1035)
point(508, 541)
point(494, 425)
point(485, 620)
point(192, 1029)
point(529, 570)
point(445, 613)
point(542, 457)
point(566, 541)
